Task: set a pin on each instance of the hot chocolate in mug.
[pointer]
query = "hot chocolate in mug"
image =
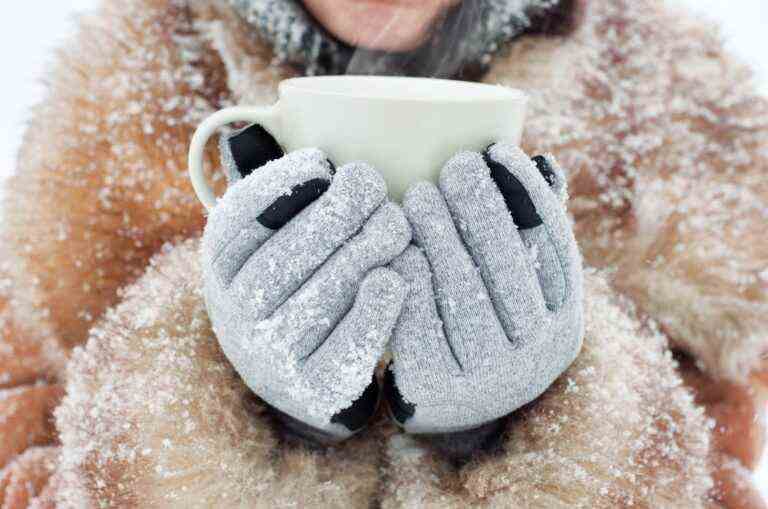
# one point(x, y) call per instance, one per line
point(406, 128)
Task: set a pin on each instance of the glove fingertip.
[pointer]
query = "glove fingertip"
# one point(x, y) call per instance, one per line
point(382, 295)
point(246, 150)
point(400, 409)
point(462, 172)
point(392, 229)
point(286, 207)
point(516, 197)
point(553, 173)
point(420, 201)
point(357, 415)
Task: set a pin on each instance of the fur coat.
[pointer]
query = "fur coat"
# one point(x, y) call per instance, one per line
point(102, 322)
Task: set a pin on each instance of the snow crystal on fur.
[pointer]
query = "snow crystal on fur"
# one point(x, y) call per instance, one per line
point(155, 415)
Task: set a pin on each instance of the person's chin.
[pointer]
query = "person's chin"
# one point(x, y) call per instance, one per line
point(388, 25)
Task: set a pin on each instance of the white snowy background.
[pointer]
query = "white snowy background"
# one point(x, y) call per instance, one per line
point(31, 29)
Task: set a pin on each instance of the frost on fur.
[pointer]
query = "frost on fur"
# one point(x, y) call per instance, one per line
point(101, 182)
point(665, 138)
point(29, 360)
point(618, 429)
point(25, 481)
point(666, 143)
point(155, 415)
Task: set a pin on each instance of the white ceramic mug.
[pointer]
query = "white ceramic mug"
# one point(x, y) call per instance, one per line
point(406, 128)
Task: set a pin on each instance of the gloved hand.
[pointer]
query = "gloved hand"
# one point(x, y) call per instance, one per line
point(494, 311)
point(294, 284)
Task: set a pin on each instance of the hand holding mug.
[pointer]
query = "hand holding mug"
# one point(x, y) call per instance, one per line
point(494, 310)
point(292, 253)
point(406, 128)
point(486, 309)
point(296, 289)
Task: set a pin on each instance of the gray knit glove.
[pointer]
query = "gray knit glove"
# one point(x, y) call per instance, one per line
point(295, 288)
point(494, 311)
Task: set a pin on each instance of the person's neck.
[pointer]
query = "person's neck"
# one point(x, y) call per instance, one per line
point(463, 46)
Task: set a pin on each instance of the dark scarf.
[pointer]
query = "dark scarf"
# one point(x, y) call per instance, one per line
point(462, 45)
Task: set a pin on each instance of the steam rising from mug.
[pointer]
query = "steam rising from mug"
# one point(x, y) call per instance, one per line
point(447, 52)
point(460, 44)
point(462, 41)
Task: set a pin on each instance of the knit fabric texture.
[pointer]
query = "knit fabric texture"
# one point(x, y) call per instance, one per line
point(305, 311)
point(494, 313)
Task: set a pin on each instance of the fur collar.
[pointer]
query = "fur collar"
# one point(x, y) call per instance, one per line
point(464, 43)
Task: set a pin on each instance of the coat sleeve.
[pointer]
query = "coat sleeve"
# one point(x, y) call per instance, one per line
point(617, 429)
point(156, 416)
point(596, 438)
point(100, 185)
point(666, 140)
point(101, 180)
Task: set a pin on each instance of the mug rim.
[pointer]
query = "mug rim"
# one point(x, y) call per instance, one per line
point(479, 92)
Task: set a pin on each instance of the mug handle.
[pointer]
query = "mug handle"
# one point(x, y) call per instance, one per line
point(265, 116)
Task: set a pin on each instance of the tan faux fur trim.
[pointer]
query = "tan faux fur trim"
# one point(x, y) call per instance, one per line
point(155, 415)
point(665, 141)
point(664, 137)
